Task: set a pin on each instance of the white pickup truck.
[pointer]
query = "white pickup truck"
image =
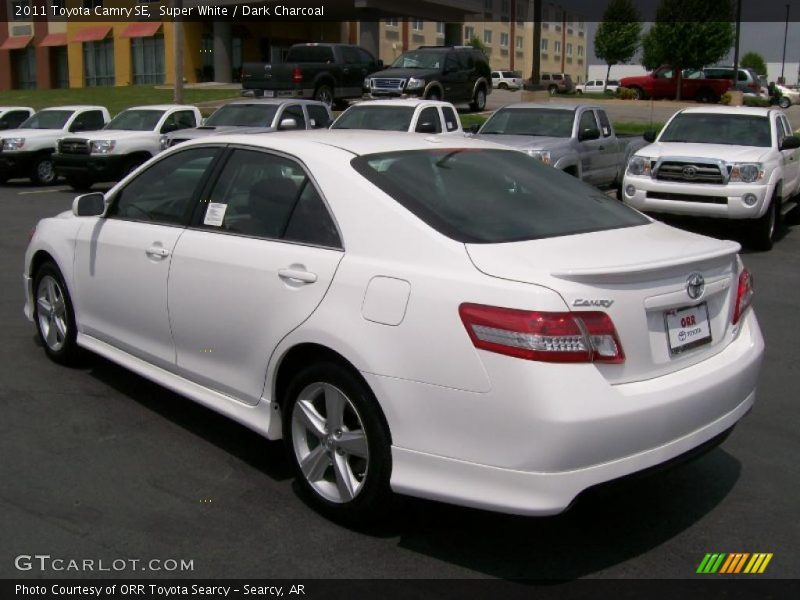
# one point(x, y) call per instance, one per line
point(28, 150)
point(412, 115)
point(130, 139)
point(11, 117)
point(727, 162)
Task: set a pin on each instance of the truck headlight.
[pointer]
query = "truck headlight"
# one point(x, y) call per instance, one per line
point(541, 155)
point(367, 83)
point(415, 83)
point(746, 172)
point(102, 146)
point(639, 165)
point(13, 143)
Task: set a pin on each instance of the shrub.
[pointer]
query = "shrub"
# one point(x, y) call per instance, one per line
point(625, 93)
point(755, 101)
point(725, 98)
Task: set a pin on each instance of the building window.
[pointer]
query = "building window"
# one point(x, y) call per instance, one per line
point(580, 50)
point(505, 8)
point(504, 40)
point(417, 25)
point(487, 37)
point(520, 42)
point(391, 22)
point(23, 65)
point(569, 49)
point(98, 63)
point(545, 43)
point(469, 33)
point(440, 28)
point(488, 5)
point(147, 55)
point(522, 13)
point(557, 47)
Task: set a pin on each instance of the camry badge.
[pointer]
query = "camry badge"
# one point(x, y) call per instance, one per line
point(695, 286)
point(582, 303)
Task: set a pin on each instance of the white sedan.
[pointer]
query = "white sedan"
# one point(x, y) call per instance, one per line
point(439, 317)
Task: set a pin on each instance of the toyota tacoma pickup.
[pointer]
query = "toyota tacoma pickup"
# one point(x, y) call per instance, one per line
point(578, 139)
point(131, 138)
point(663, 83)
point(410, 115)
point(735, 163)
point(328, 73)
point(256, 115)
point(28, 150)
point(12, 117)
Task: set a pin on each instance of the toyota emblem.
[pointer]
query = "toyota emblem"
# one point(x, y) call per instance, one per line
point(695, 286)
point(689, 172)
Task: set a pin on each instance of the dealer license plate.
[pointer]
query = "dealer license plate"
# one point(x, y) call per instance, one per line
point(687, 328)
point(269, 94)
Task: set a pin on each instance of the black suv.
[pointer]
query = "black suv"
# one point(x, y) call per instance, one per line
point(452, 73)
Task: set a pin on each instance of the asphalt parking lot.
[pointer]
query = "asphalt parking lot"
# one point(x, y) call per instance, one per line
point(99, 463)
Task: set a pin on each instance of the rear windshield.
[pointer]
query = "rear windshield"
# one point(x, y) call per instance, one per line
point(547, 122)
point(48, 119)
point(243, 115)
point(136, 120)
point(420, 60)
point(492, 196)
point(383, 118)
point(709, 128)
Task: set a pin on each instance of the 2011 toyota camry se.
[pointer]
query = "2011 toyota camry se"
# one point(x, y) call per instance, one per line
point(437, 317)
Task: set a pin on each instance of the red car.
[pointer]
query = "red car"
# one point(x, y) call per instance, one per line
point(663, 83)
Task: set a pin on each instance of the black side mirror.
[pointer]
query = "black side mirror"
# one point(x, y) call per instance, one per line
point(89, 205)
point(589, 134)
point(426, 127)
point(650, 135)
point(790, 142)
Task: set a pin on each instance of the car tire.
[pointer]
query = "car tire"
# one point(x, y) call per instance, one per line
point(42, 171)
point(344, 475)
point(79, 184)
point(324, 93)
point(638, 93)
point(784, 102)
point(503, 86)
point(579, 92)
point(478, 103)
point(54, 316)
point(764, 229)
point(131, 165)
point(433, 94)
point(553, 90)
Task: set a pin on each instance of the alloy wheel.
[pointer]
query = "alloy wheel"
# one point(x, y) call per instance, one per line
point(45, 172)
point(51, 310)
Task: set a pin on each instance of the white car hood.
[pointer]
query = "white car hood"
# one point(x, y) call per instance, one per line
point(30, 134)
point(724, 152)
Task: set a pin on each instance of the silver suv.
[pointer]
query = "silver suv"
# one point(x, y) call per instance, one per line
point(748, 81)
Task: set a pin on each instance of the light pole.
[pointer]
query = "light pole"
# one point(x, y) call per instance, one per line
point(177, 53)
point(736, 47)
point(785, 34)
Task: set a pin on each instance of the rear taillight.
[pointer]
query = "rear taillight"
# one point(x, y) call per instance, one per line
point(297, 75)
point(564, 337)
point(744, 295)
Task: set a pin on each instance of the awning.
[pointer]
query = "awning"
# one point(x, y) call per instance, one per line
point(16, 42)
point(53, 39)
point(91, 34)
point(137, 30)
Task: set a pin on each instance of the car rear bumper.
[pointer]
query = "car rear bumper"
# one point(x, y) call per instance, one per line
point(530, 446)
point(96, 168)
point(722, 201)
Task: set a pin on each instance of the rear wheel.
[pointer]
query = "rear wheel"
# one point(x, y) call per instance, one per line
point(478, 103)
point(53, 315)
point(324, 93)
point(553, 90)
point(638, 93)
point(763, 230)
point(433, 94)
point(42, 171)
point(503, 86)
point(337, 442)
point(784, 102)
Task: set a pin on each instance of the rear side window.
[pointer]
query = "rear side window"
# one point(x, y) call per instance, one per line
point(450, 118)
point(605, 124)
point(319, 116)
point(492, 196)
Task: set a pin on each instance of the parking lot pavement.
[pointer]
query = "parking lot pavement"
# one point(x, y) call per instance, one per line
point(98, 463)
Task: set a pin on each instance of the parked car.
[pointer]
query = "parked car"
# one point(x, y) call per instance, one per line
point(506, 80)
point(130, 139)
point(597, 86)
point(663, 83)
point(578, 139)
point(11, 117)
point(328, 73)
point(788, 96)
point(256, 116)
point(747, 82)
point(28, 150)
point(735, 163)
point(557, 83)
point(412, 115)
point(452, 73)
point(355, 292)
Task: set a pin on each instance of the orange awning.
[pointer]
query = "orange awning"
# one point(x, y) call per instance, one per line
point(54, 39)
point(136, 30)
point(16, 42)
point(91, 34)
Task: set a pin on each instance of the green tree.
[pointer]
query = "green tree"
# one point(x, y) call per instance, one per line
point(753, 60)
point(673, 40)
point(617, 37)
point(476, 42)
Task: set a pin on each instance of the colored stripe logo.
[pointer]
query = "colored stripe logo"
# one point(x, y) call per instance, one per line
point(734, 563)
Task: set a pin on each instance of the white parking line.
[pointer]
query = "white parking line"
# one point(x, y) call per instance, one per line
point(44, 191)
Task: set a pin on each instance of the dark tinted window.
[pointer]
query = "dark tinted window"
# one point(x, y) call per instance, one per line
point(268, 196)
point(243, 115)
point(48, 119)
point(164, 192)
point(546, 122)
point(587, 121)
point(370, 116)
point(350, 55)
point(365, 56)
point(492, 196)
point(13, 119)
point(182, 119)
point(295, 111)
point(319, 116)
point(322, 54)
point(136, 120)
point(450, 118)
point(710, 128)
point(427, 118)
point(90, 120)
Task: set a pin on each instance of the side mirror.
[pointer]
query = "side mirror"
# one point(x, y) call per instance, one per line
point(77, 126)
point(473, 129)
point(288, 123)
point(589, 134)
point(169, 128)
point(4, 125)
point(790, 142)
point(89, 205)
point(426, 127)
point(650, 135)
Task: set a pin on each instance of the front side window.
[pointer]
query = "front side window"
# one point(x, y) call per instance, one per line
point(136, 120)
point(165, 192)
point(48, 119)
point(319, 116)
point(709, 128)
point(546, 122)
point(588, 121)
point(429, 118)
point(267, 196)
point(382, 118)
point(295, 111)
point(492, 196)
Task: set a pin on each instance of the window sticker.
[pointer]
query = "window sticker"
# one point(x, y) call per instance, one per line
point(215, 213)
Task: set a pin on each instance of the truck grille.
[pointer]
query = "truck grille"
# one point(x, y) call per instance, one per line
point(689, 172)
point(387, 84)
point(688, 198)
point(73, 146)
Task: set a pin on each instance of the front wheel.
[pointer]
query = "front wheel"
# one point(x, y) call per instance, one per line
point(53, 315)
point(763, 229)
point(42, 171)
point(433, 94)
point(337, 442)
point(784, 102)
point(324, 93)
point(478, 103)
point(638, 93)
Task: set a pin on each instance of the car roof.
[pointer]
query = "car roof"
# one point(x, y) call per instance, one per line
point(731, 110)
point(276, 101)
point(403, 102)
point(550, 105)
point(75, 107)
point(354, 141)
point(162, 107)
point(4, 108)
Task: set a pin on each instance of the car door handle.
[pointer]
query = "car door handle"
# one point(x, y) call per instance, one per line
point(157, 251)
point(297, 275)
